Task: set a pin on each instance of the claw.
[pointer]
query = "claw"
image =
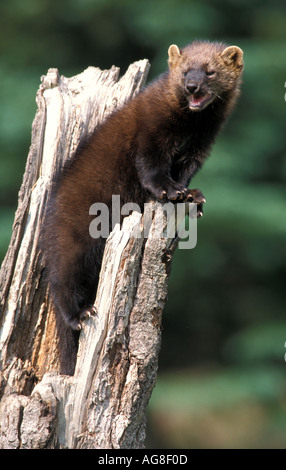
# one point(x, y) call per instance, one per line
point(196, 196)
point(86, 312)
point(75, 324)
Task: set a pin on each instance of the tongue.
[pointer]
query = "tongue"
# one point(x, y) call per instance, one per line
point(198, 99)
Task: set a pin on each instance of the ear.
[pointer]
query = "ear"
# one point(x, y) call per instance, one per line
point(175, 56)
point(233, 55)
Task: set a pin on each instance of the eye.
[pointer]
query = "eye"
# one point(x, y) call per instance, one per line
point(210, 73)
point(185, 73)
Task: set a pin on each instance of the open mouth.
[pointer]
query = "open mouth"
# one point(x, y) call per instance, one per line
point(199, 101)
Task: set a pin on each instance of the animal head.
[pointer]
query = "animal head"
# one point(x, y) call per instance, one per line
point(204, 71)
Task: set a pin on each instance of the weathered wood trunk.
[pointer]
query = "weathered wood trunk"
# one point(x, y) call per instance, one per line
point(104, 404)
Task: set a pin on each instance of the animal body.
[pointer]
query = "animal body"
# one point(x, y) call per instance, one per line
point(148, 149)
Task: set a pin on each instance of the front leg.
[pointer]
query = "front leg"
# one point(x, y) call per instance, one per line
point(164, 187)
point(183, 174)
point(154, 172)
point(158, 181)
point(160, 184)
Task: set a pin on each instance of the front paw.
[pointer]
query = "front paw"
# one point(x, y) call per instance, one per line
point(176, 192)
point(197, 197)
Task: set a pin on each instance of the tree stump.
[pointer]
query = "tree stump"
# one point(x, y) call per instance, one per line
point(104, 404)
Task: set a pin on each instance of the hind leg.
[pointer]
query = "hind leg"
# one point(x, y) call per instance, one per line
point(66, 303)
point(74, 284)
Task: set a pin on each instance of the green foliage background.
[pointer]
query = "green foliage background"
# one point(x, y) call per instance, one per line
point(222, 374)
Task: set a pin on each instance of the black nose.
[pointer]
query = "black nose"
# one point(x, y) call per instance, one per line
point(192, 87)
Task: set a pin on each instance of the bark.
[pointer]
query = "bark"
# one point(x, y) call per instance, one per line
point(104, 404)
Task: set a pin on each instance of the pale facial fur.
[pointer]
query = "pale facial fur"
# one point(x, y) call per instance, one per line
point(204, 71)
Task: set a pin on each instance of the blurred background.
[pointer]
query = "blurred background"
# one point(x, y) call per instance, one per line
point(222, 371)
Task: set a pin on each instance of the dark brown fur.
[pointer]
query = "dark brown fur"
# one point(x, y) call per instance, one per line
point(148, 149)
